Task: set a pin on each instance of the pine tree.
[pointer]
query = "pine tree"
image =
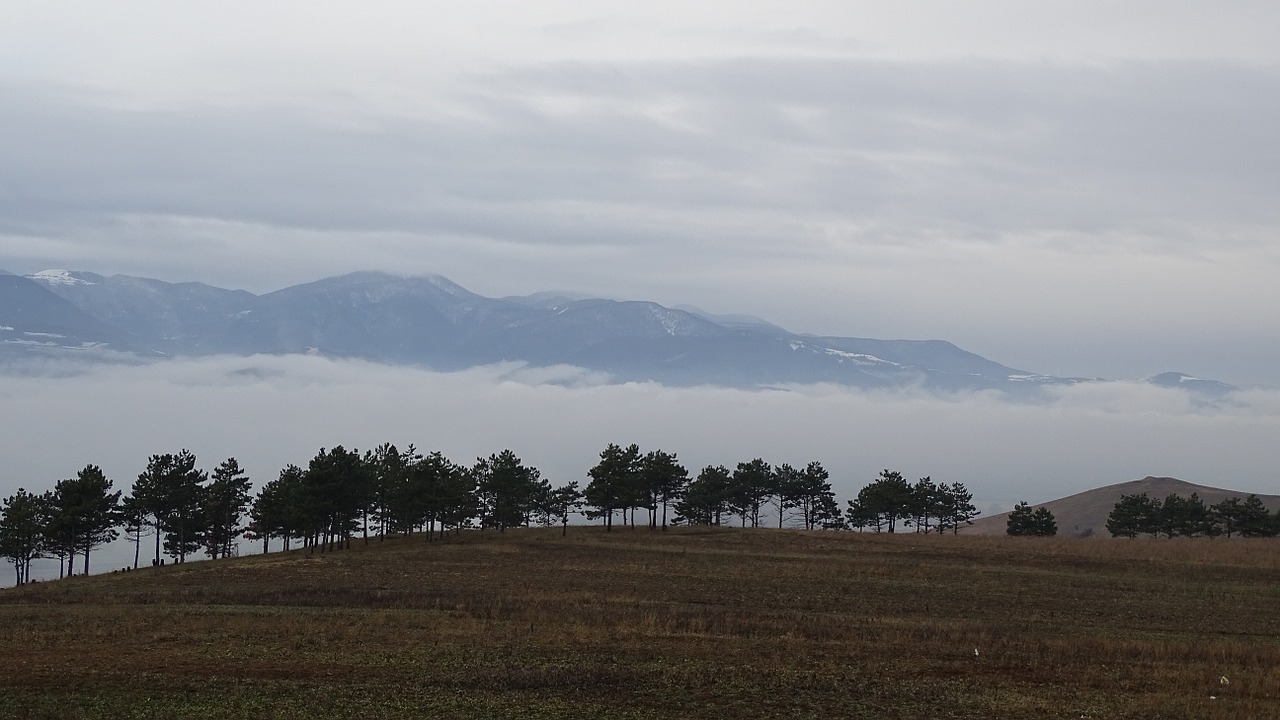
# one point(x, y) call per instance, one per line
point(613, 482)
point(1255, 519)
point(278, 510)
point(336, 486)
point(558, 504)
point(786, 490)
point(704, 499)
point(134, 519)
point(1134, 515)
point(750, 487)
point(926, 504)
point(85, 511)
point(22, 521)
point(226, 498)
point(169, 491)
point(882, 503)
point(1023, 521)
point(957, 508)
point(813, 496)
point(508, 491)
point(664, 479)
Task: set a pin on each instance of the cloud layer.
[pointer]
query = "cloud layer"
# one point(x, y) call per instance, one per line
point(271, 411)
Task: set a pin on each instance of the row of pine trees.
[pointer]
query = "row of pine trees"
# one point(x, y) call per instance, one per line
point(1176, 516)
point(175, 509)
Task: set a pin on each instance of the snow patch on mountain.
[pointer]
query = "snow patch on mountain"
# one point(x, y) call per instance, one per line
point(858, 358)
point(844, 355)
point(667, 319)
point(60, 277)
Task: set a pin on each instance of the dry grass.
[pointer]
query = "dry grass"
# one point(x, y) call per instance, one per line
point(686, 623)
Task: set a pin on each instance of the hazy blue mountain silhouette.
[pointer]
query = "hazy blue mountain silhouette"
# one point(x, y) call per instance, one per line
point(433, 322)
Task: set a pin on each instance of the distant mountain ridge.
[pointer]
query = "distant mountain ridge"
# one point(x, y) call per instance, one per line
point(430, 321)
point(1085, 514)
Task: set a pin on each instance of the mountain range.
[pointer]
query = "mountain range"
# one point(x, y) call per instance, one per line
point(432, 322)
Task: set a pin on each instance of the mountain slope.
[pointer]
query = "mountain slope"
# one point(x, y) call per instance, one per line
point(33, 315)
point(1085, 514)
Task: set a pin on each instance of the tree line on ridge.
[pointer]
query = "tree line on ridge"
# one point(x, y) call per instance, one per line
point(175, 509)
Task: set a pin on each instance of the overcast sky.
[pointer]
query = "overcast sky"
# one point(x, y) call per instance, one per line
point(1072, 188)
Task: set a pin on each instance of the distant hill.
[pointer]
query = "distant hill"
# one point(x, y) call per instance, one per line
point(1085, 514)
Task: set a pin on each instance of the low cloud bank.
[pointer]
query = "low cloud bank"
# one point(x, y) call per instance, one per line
point(271, 411)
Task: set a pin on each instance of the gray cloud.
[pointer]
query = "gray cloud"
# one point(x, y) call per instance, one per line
point(981, 149)
point(560, 419)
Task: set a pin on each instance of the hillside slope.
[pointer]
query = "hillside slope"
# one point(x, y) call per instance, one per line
point(685, 624)
point(1085, 514)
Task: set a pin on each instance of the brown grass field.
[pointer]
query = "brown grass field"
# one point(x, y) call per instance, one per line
point(688, 623)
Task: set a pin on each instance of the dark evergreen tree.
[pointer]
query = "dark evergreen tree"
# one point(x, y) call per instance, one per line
point(226, 498)
point(84, 511)
point(957, 508)
point(1227, 515)
point(927, 504)
point(812, 495)
point(859, 516)
point(882, 503)
point(558, 504)
point(279, 509)
point(750, 487)
point(169, 491)
point(336, 486)
point(59, 534)
point(664, 479)
point(704, 501)
point(23, 517)
point(1023, 521)
point(392, 504)
point(1185, 516)
point(785, 494)
point(457, 501)
point(135, 521)
point(508, 491)
point(1043, 522)
point(1134, 515)
point(439, 492)
point(1255, 520)
point(613, 482)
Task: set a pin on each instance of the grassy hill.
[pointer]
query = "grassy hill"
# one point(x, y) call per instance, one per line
point(1085, 514)
point(689, 623)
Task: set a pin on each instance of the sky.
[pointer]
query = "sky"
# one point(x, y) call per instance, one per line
point(1074, 188)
